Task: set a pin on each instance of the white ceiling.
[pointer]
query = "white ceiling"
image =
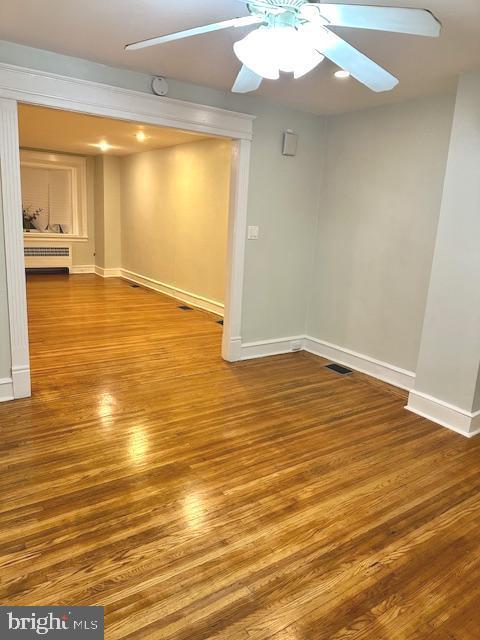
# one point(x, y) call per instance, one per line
point(55, 130)
point(98, 30)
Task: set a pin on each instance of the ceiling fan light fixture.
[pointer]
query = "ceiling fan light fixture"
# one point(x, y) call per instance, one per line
point(342, 73)
point(269, 50)
point(308, 64)
point(254, 52)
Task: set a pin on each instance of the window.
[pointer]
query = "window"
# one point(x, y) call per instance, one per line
point(53, 194)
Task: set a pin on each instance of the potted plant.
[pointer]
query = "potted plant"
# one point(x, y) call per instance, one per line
point(29, 217)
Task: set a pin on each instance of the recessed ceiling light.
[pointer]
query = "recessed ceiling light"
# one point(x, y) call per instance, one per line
point(342, 74)
point(103, 146)
point(140, 136)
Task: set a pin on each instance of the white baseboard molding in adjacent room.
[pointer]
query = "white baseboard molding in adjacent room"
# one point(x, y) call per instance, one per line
point(6, 389)
point(275, 347)
point(444, 414)
point(83, 268)
point(179, 294)
point(108, 273)
point(360, 362)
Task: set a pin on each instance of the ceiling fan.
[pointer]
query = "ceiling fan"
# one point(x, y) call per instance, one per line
point(294, 36)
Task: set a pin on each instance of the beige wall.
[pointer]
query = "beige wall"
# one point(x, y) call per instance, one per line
point(99, 202)
point(175, 214)
point(382, 189)
point(108, 212)
point(84, 252)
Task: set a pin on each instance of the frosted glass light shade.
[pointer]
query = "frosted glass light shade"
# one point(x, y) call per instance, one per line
point(267, 51)
point(254, 52)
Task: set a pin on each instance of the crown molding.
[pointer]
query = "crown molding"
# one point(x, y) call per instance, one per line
point(75, 94)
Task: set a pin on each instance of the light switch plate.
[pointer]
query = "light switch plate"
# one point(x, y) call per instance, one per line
point(253, 233)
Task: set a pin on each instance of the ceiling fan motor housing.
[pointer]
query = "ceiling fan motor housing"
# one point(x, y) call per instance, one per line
point(287, 4)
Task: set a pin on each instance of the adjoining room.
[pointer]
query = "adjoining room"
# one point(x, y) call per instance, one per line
point(120, 200)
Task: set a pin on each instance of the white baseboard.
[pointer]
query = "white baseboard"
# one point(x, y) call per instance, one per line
point(234, 351)
point(359, 362)
point(21, 382)
point(6, 389)
point(16, 387)
point(444, 414)
point(83, 268)
point(108, 273)
point(179, 294)
point(264, 348)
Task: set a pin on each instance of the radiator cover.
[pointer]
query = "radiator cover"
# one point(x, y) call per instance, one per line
point(47, 255)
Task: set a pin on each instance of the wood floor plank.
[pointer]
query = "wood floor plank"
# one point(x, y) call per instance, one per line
point(194, 498)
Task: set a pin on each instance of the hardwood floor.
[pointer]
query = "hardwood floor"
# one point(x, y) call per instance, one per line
point(269, 499)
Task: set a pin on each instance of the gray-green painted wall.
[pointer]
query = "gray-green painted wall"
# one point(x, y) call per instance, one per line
point(383, 183)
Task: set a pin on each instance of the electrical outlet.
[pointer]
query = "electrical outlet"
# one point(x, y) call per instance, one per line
point(253, 233)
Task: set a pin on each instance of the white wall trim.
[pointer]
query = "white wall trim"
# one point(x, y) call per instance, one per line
point(6, 389)
point(236, 241)
point(275, 347)
point(63, 92)
point(21, 381)
point(108, 273)
point(447, 415)
point(150, 283)
point(82, 268)
point(38, 87)
point(173, 292)
point(52, 238)
point(360, 362)
point(14, 254)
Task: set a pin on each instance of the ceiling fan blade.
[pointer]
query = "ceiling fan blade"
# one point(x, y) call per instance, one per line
point(247, 81)
point(418, 22)
point(347, 57)
point(217, 26)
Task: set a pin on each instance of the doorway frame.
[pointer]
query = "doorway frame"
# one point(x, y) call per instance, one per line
point(41, 88)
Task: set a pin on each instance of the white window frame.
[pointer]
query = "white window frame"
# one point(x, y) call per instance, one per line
point(77, 166)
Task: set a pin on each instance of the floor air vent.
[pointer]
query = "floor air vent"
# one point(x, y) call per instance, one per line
point(343, 371)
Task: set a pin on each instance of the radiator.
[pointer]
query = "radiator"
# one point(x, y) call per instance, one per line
point(48, 255)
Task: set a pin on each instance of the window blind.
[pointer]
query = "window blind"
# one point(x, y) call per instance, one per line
point(51, 191)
